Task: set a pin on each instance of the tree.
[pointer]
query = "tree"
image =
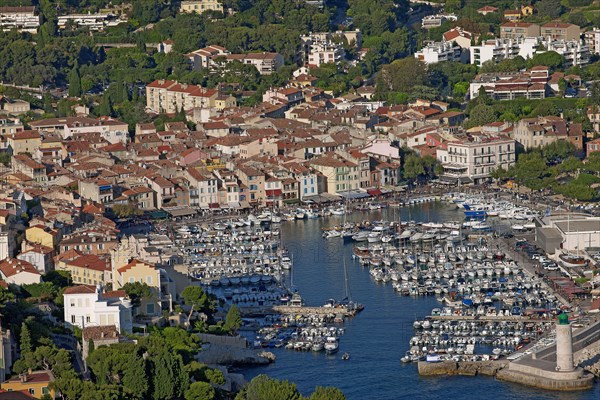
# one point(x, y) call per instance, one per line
point(137, 291)
point(549, 8)
point(460, 89)
point(262, 387)
point(105, 108)
point(558, 150)
point(5, 158)
point(25, 341)
point(593, 162)
point(59, 279)
point(233, 320)
point(169, 379)
point(200, 391)
point(74, 82)
point(550, 59)
point(402, 75)
point(544, 108)
point(481, 115)
point(327, 393)
point(126, 210)
point(195, 297)
point(121, 364)
point(413, 167)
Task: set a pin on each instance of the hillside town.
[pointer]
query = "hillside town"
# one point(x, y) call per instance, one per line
point(122, 124)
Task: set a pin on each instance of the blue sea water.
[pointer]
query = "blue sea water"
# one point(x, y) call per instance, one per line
point(378, 337)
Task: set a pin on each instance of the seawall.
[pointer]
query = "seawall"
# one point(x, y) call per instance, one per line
point(468, 368)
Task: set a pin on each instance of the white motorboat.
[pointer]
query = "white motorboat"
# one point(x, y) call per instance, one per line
point(317, 346)
point(332, 234)
point(338, 211)
point(331, 345)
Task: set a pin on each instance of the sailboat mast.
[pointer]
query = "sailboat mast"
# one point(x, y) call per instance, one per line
point(347, 288)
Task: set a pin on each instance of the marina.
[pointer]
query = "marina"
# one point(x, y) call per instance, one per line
point(449, 261)
point(380, 336)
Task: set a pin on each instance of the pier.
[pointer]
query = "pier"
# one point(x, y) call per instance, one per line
point(291, 310)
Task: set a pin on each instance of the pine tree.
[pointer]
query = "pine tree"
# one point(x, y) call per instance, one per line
point(26, 346)
point(105, 108)
point(75, 81)
point(233, 320)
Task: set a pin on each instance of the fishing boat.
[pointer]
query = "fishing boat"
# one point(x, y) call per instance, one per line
point(473, 211)
point(345, 356)
point(572, 260)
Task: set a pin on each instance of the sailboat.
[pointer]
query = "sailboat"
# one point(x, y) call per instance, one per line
point(350, 305)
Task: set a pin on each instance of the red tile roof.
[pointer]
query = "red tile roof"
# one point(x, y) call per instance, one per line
point(80, 289)
point(13, 266)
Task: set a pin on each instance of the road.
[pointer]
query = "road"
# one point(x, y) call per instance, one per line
point(69, 342)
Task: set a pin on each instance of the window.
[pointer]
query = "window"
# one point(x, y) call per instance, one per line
point(150, 309)
point(131, 280)
point(32, 391)
point(87, 319)
point(149, 280)
point(72, 319)
point(45, 390)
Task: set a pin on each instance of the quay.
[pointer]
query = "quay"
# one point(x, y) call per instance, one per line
point(496, 318)
point(552, 367)
point(293, 310)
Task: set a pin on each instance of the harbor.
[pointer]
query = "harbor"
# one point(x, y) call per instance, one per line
point(461, 267)
point(395, 313)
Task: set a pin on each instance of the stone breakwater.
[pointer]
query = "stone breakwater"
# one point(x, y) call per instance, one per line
point(589, 359)
point(467, 368)
point(231, 355)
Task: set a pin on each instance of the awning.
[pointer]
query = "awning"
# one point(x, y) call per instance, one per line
point(234, 205)
point(353, 194)
point(180, 211)
point(244, 204)
point(375, 192)
point(158, 214)
point(214, 206)
point(274, 192)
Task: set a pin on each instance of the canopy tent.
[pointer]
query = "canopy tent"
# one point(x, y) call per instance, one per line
point(321, 198)
point(353, 194)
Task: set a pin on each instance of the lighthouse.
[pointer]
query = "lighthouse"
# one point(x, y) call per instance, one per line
point(564, 344)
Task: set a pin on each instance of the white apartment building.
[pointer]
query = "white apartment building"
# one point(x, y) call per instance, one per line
point(574, 51)
point(435, 52)
point(88, 306)
point(164, 96)
point(320, 53)
point(22, 18)
point(212, 57)
point(112, 130)
point(502, 49)
point(496, 50)
point(327, 47)
point(474, 159)
point(592, 40)
point(200, 6)
point(95, 22)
